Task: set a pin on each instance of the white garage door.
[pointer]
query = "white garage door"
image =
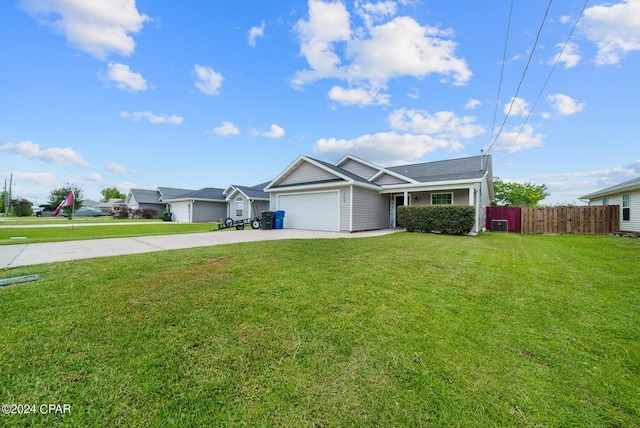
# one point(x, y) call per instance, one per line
point(313, 211)
point(181, 212)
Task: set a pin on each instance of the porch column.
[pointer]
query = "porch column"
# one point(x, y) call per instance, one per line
point(406, 197)
point(476, 207)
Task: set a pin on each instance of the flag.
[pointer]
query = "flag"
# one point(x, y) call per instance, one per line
point(68, 201)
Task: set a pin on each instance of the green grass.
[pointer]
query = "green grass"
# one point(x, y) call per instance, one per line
point(80, 230)
point(399, 330)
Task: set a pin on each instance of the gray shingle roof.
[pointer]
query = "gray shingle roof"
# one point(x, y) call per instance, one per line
point(255, 192)
point(144, 196)
point(172, 193)
point(634, 183)
point(211, 193)
point(445, 170)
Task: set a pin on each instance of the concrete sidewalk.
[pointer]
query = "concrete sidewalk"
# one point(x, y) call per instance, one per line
point(33, 254)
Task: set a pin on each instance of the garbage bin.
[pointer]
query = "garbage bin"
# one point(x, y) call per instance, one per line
point(278, 220)
point(267, 220)
point(166, 217)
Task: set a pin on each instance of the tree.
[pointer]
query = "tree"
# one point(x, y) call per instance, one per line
point(111, 193)
point(58, 195)
point(21, 207)
point(511, 194)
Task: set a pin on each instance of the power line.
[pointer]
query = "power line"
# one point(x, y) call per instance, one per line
point(524, 73)
point(555, 63)
point(504, 60)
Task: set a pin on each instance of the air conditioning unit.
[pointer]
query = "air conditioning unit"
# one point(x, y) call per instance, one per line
point(500, 226)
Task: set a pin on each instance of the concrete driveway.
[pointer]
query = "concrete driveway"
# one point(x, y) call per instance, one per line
point(33, 254)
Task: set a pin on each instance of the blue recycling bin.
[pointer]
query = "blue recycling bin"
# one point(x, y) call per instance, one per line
point(278, 219)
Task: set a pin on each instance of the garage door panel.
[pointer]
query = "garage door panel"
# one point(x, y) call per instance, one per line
point(313, 211)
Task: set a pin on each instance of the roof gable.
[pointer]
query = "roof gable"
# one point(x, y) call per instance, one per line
point(359, 166)
point(305, 171)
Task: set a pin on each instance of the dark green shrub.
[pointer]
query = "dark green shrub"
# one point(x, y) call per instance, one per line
point(446, 219)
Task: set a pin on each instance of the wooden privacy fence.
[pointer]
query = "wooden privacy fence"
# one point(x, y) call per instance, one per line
point(592, 220)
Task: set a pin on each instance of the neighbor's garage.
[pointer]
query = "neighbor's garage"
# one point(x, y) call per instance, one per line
point(181, 212)
point(313, 211)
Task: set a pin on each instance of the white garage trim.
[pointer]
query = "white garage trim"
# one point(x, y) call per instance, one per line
point(311, 210)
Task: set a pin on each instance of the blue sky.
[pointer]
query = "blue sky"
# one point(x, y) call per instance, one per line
point(206, 94)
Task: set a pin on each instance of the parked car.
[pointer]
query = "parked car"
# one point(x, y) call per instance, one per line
point(44, 211)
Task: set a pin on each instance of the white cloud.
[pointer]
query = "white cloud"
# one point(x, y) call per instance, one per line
point(570, 56)
point(372, 55)
point(472, 104)
point(125, 78)
point(226, 129)
point(152, 118)
point(375, 12)
point(56, 155)
point(517, 107)
point(443, 124)
point(94, 178)
point(274, 132)
point(519, 138)
point(614, 28)
point(255, 33)
point(96, 27)
point(43, 179)
point(564, 105)
point(209, 81)
point(384, 147)
point(358, 96)
point(328, 24)
point(116, 168)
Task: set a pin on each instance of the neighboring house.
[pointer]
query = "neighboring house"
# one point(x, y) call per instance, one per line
point(246, 202)
point(355, 195)
point(204, 205)
point(627, 196)
point(144, 198)
point(155, 199)
point(110, 207)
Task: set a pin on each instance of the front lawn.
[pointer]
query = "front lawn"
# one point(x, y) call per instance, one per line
point(72, 231)
point(399, 330)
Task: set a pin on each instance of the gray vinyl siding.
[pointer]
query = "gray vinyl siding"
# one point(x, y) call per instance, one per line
point(386, 179)
point(306, 173)
point(208, 211)
point(370, 210)
point(157, 207)
point(359, 169)
point(245, 207)
point(345, 209)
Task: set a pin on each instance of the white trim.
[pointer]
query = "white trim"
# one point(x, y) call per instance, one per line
point(432, 194)
point(430, 186)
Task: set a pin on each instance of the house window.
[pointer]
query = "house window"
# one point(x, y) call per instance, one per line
point(626, 207)
point(239, 206)
point(441, 198)
point(605, 201)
